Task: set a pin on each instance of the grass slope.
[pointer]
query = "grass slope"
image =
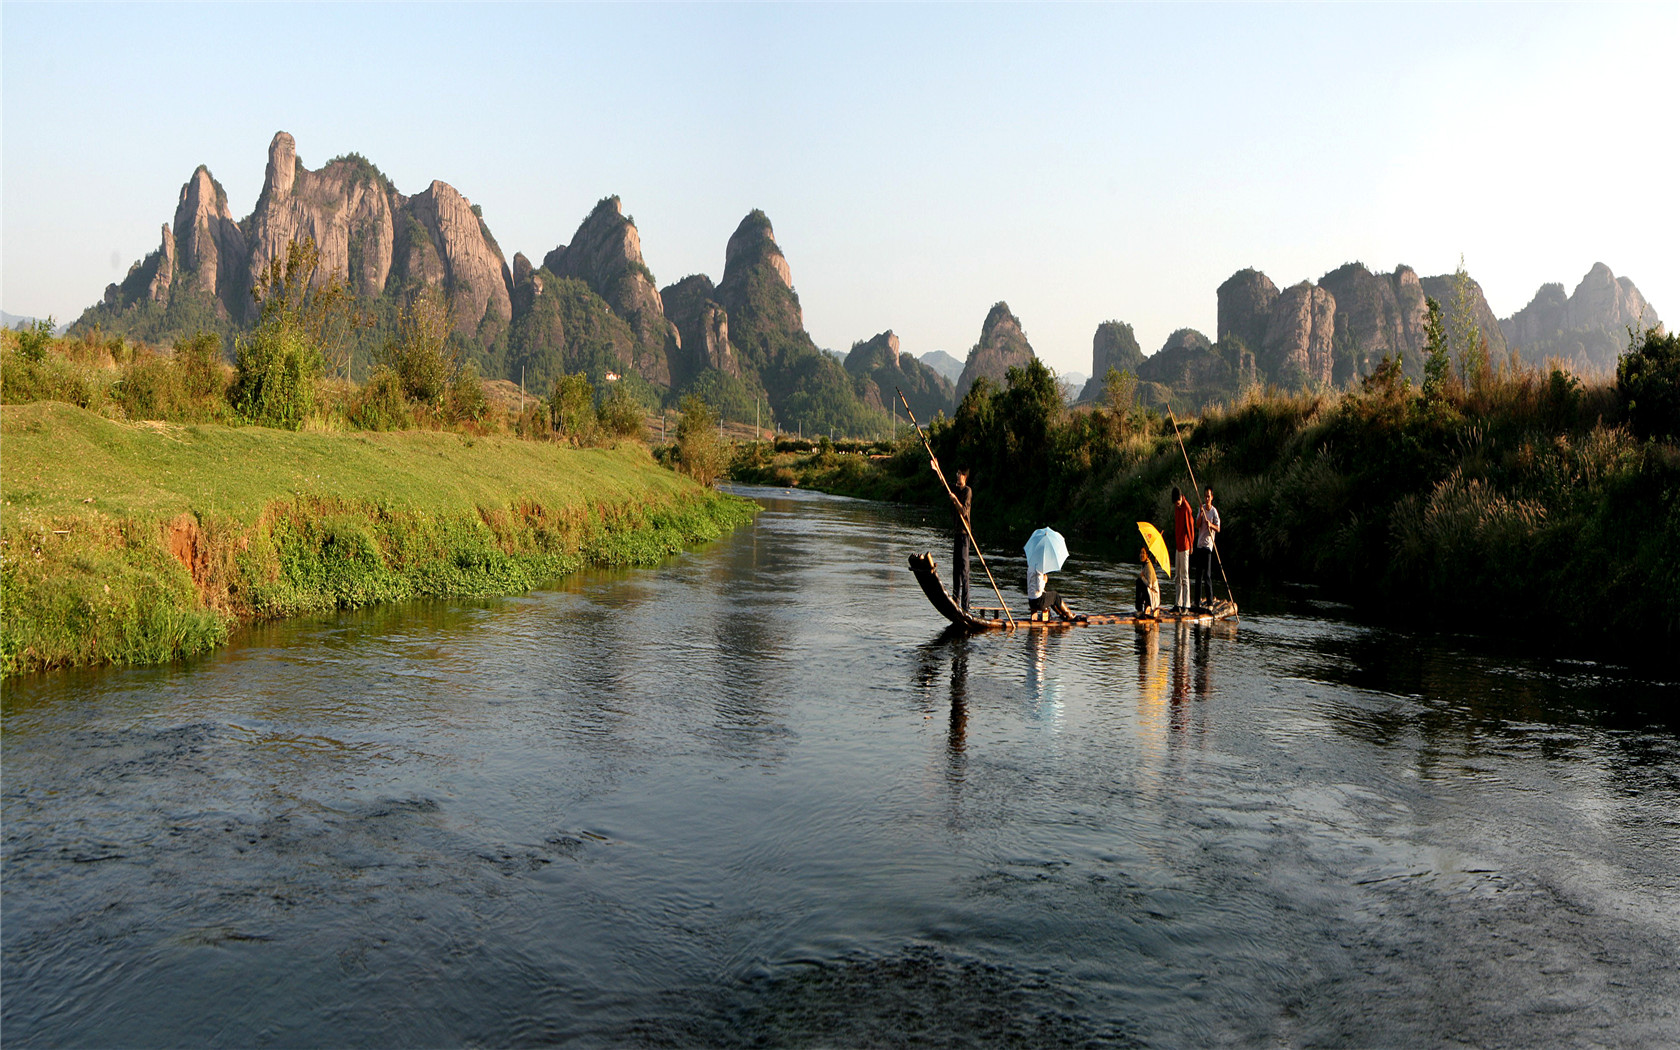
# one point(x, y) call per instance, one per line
point(140, 542)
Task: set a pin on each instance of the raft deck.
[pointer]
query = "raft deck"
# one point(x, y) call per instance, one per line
point(922, 566)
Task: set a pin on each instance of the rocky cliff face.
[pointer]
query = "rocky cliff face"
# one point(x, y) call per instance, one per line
point(1335, 331)
point(1189, 372)
point(363, 229)
point(702, 327)
point(1245, 307)
point(1586, 330)
point(1113, 346)
point(463, 254)
point(1443, 289)
point(1002, 346)
point(757, 291)
point(606, 254)
point(210, 245)
point(1300, 336)
point(1377, 315)
point(879, 371)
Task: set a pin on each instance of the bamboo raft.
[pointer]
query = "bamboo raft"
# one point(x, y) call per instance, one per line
point(987, 619)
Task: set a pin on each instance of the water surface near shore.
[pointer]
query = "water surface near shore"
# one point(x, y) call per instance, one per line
point(756, 796)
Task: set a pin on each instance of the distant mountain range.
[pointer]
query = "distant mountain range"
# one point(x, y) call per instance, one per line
point(593, 306)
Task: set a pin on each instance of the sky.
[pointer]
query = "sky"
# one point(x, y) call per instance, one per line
point(1082, 162)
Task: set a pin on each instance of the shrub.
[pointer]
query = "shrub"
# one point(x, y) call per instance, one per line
point(380, 404)
point(33, 341)
point(571, 405)
point(420, 355)
point(199, 367)
point(465, 401)
point(274, 377)
point(1648, 383)
point(699, 451)
point(620, 415)
point(148, 388)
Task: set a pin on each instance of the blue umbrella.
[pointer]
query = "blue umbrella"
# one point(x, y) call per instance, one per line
point(1046, 550)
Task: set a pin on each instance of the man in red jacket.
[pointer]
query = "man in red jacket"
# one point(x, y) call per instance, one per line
point(1184, 536)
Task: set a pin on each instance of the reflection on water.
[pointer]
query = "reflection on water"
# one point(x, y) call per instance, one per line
point(756, 797)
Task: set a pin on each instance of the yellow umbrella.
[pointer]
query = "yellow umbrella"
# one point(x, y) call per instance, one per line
point(1157, 546)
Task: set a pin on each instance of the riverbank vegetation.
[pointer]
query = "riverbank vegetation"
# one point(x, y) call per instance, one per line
point(1499, 493)
point(138, 542)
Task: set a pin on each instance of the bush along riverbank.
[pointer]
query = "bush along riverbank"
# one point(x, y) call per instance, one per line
point(1505, 498)
point(141, 542)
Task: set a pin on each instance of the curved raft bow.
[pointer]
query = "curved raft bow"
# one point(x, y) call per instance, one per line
point(927, 574)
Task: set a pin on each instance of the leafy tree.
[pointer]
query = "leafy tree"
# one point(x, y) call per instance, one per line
point(700, 453)
point(1648, 383)
point(1437, 359)
point(620, 415)
point(33, 341)
point(1463, 333)
point(571, 405)
point(1119, 391)
point(301, 324)
point(421, 355)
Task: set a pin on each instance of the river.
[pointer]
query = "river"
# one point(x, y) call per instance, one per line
point(755, 797)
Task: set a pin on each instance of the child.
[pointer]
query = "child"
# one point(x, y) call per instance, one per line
point(1148, 587)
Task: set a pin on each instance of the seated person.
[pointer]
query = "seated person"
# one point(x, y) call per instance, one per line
point(1148, 586)
point(1043, 601)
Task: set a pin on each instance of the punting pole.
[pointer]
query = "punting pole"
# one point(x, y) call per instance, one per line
point(970, 532)
point(1197, 489)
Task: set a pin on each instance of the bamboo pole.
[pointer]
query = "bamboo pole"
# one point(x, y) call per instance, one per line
point(1197, 489)
point(966, 530)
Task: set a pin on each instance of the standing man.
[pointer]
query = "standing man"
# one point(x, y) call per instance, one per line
point(1184, 533)
point(962, 499)
point(1207, 529)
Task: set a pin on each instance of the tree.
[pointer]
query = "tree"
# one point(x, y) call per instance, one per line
point(301, 325)
point(1120, 391)
point(33, 341)
point(420, 355)
point(699, 450)
point(1648, 383)
point(571, 405)
point(1437, 359)
point(1463, 333)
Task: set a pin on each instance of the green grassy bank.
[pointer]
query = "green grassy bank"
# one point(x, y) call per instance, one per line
point(140, 542)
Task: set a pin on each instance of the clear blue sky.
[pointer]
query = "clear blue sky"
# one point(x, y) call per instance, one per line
point(919, 163)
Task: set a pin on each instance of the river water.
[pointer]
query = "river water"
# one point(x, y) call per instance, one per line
point(755, 797)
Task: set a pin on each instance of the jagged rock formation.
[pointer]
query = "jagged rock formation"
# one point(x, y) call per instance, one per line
point(879, 370)
point(1444, 290)
point(1002, 346)
point(1587, 330)
point(1331, 333)
point(1297, 350)
point(702, 327)
point(606, 254)
point(378, 240)
point(1376, 316)
point(751, 326)
point(1245, 307)
point(757, 290)
point(1113, 346)
point(1188, 372)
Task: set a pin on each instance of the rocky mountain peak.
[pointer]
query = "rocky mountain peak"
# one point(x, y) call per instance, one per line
point(1245, 307)
point(1113, 346)
point(1587, 329)
point(1002, 346)
point(606, 254)
point(754, 243)
point(282, 167)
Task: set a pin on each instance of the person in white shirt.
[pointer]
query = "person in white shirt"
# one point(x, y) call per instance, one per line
point(1201, 559)
point(1042, 601)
